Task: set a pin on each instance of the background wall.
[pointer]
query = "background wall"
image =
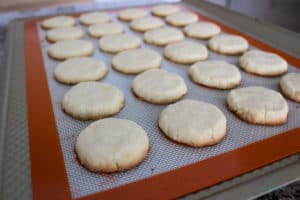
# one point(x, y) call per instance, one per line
point(285, 13)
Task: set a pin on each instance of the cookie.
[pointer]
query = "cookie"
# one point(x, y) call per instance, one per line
point(75, 70)
point(58, 21)
point(215, 74)
point(135, 61)
point(64, 33)
point(130, 14)
point(181, 18)
point(146, 24)
point(228, 44)
point(164, 10)
point(290, 86)
point(258, 105)
point(193, 123)
point(185, 52)
point(263, 63)
point(93, 100)
point(70, 48)
point(119, 42)
point(163, 36)
point(94, 17)
point(159, 86)
point(202, 30)
point(111, 145)
point(103, 29)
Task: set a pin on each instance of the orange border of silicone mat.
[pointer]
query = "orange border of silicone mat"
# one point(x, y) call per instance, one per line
point(49, 178)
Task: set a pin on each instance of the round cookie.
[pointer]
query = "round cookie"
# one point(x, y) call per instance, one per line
point(64, 33)
point(103, 29)
point(94, 17)
point(159, 86)
point(202, 30)
point(194, 123)
point(182, 18)
point(58, 21)
point(263, 63)
point(185, 52)
point(130, 14)
point(290, 86)
point(215, 74)
point(111, 145)
point(135, 61)
point(146, 24)
point(164, 10)
point(70, 48)
point(163, 36)
point(119, 42)
point(93, 100)
point(75, 70)
point(228, 44)
point(258, 105)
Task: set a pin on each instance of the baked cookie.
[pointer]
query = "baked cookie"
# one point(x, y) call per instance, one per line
point(215, 74)
point(111, 145)
point(258, 105)
point(70, 48)
point(185, 52)
point(135, 61)
point(146, 24)
point(130, 14)
point(159, 86)
point(93, 100)
point(64, 33)
point(202, 30)
point(263, 63)
point(119, 42)
point(290, 86)
point(103, 29)
point(75, 70)
point(181, 18)
point(228, 44)
point(58, 21)
point(164, 10)
point(194, 123)
point(94, 17)
point(163, 36)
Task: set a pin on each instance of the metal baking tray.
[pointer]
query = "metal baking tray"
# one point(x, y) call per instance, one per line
point(165, 156)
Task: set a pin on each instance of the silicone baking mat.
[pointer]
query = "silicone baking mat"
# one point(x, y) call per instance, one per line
point(164, 155)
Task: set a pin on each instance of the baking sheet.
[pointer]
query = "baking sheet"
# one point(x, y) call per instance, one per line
point(164, 154)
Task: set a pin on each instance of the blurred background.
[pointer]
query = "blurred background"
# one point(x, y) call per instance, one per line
point(285, 13)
